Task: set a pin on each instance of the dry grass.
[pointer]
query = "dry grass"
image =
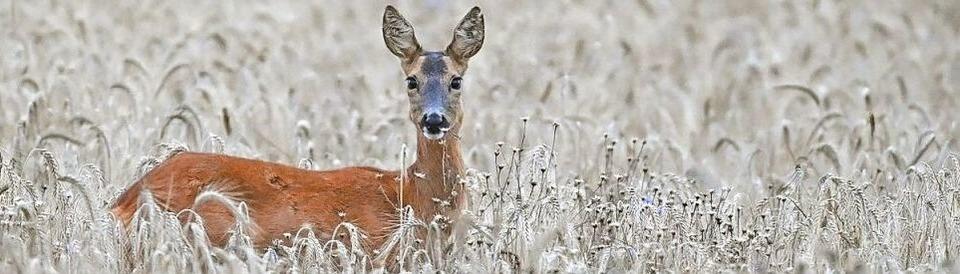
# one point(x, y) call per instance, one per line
point(758, 136)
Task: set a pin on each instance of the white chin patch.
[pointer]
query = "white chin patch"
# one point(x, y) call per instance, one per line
point(434, 136)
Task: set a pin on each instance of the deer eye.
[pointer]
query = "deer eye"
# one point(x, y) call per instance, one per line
point(455, 83)
point(412, 83)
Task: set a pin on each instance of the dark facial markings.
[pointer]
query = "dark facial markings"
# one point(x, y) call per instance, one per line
point(433, 64)
point(434, 90)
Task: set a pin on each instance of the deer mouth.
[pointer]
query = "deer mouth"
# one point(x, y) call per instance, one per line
point(435, 132)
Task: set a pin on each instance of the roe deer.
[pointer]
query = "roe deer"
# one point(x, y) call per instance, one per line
point(283, 199)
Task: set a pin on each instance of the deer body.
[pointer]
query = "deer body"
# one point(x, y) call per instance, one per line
point(282, 199)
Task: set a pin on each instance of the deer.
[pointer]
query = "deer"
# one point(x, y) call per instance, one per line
point(283, 199)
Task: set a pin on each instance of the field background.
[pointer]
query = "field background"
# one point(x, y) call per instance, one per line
point(758, 136)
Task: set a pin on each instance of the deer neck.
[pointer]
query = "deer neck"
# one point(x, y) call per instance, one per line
point(435, 177)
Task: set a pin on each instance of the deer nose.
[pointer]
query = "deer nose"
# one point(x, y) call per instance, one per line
point(434, 121)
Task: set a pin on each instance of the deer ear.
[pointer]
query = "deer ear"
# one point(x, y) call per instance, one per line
point(399, 36)
point(467, 37)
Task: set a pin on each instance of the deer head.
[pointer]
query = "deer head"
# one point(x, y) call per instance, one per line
point(434, 78)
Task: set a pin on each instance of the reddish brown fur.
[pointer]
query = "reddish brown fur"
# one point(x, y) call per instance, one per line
point(283, 199)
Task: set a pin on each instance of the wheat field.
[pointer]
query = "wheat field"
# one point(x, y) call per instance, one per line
point(600, 136)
